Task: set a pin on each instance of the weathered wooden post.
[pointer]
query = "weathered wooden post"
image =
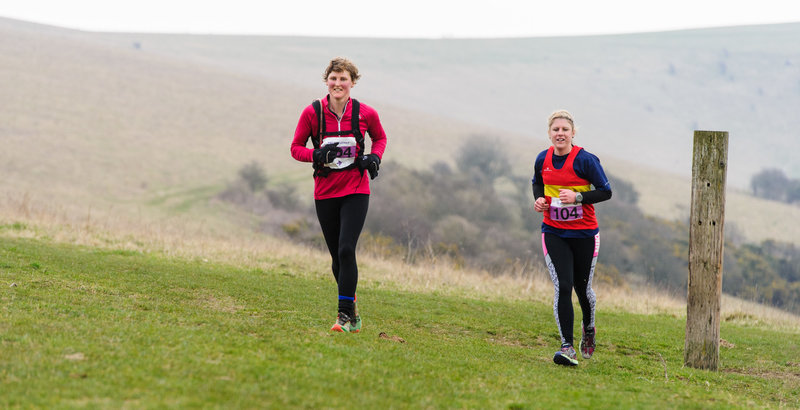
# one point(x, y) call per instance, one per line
point(706, 241)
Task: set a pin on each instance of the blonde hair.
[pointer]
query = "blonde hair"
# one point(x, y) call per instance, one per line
point(339, 65)
point(560, 114)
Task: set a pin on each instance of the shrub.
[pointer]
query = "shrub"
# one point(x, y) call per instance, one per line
point(254, 176)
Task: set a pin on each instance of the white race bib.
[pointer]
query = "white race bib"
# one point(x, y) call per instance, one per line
point(349, 151)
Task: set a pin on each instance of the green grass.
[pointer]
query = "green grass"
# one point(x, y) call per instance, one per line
point(87, 327)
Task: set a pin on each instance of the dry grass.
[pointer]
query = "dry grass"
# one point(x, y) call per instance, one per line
point(191, 239)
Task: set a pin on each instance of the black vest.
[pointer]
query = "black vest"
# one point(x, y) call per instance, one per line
point(355, 131)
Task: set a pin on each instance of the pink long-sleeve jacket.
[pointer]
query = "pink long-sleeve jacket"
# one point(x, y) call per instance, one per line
point(349, 181)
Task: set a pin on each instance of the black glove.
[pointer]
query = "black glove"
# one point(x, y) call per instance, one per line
point(327, 153)
point(370, 162)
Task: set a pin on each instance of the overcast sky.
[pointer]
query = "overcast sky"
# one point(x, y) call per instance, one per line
point(405, 18)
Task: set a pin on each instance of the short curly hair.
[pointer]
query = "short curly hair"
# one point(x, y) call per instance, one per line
point(341, 64)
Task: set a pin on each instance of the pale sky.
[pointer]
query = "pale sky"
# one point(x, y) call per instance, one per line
point(402, 19)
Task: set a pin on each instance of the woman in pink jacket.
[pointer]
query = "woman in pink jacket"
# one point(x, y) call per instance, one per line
point(336, 126)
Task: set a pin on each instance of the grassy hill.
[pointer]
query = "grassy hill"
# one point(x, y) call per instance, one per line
point(123, 285)
point(132, 122)
point(107, 319)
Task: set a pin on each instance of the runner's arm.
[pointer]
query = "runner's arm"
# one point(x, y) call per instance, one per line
point(595, 196)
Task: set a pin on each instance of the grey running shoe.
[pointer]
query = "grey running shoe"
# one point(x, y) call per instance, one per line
point(566, 356)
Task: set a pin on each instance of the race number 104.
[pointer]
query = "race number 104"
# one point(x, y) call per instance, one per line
point(566, 213)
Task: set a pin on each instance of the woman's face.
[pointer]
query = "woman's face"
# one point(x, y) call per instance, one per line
point(339, 84)
point(561, 134)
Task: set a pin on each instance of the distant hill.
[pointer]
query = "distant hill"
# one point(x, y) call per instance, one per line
point(107, 118)
point(82, 117)
point(637, 96)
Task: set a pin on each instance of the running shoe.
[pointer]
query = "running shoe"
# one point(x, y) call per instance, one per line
point(355, 324)
point(587, 343)
point(343, 324)
point(566, 356)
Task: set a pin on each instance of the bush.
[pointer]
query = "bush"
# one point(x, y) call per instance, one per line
point(482, 159)
point(284, 197)
point(770, 184)
point(254, 176)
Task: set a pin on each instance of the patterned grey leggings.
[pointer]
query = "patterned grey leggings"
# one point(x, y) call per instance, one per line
point(571, 264)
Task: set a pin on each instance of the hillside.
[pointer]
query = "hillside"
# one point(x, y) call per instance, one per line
point(170, 320)
point(639, 96)
point(84, 119)
point(126, 120)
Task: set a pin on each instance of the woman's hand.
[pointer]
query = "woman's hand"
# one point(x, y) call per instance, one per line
point(327, 153)
point(541, 204)
point(567, 196)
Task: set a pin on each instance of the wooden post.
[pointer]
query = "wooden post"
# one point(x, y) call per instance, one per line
point(706, 240)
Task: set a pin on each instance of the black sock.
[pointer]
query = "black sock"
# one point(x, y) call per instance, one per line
point(347, 307)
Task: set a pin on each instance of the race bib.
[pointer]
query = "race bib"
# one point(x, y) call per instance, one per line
point(565, 212)
point(349, 151)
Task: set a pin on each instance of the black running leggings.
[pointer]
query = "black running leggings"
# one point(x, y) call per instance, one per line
point(341, 220)
point(571, 264)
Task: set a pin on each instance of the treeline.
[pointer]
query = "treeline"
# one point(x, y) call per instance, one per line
point(774, 185)
point(479, 214)
point(768, 273)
